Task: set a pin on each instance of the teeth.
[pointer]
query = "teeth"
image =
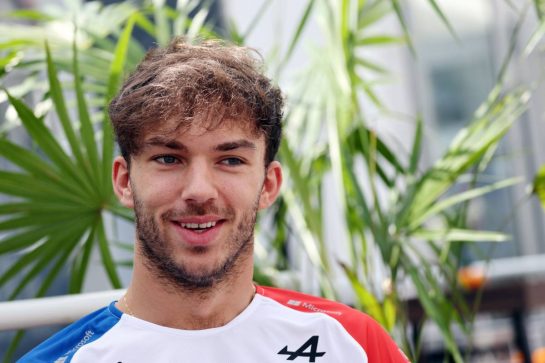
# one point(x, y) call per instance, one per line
point(198, 225)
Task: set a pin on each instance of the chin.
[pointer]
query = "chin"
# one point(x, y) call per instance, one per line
point(202, 271)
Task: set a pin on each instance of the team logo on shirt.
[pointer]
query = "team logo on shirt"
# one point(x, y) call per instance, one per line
point(309, 350)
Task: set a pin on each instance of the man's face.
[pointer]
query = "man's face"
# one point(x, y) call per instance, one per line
point(196, 195)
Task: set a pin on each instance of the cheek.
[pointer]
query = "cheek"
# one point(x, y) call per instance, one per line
point(155, 192)
point(241, 193)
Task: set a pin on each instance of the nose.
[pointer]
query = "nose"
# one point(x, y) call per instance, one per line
point(198, 184)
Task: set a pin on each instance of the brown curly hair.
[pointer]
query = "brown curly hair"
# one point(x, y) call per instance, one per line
point(212, 79)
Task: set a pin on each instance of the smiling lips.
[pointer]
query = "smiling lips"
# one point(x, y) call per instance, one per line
point(198, 226)
point(198, 231)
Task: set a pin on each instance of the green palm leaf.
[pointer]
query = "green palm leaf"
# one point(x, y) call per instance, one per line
point(538, 187)
point(61, 200)
point(46, 141)
point(468, 147)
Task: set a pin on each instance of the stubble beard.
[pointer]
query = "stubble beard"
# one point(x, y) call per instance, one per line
point(159, 255)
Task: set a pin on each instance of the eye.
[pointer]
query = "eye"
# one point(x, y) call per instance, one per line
point(232, 161)
point(166, 159)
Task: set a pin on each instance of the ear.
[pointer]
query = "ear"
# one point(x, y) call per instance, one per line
point(271, 185)
point(121, 182)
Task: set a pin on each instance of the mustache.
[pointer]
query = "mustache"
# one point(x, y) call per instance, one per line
point(198, 209)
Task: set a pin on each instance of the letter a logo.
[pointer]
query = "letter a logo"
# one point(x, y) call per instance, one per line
point(308, 349)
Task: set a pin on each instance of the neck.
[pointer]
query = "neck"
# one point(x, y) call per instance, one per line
point(150, 299)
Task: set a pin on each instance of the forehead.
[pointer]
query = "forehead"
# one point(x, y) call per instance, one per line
point(200, 136)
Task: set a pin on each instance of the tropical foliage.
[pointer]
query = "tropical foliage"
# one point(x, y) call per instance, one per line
point(539, 185)
point(402, 219)
point(389, 205)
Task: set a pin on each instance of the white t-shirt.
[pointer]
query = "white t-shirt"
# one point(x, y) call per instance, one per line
point(277, 326)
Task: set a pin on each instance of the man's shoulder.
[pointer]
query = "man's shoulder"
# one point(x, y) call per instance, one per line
point(376, 342)
point(60, 347)
point(312, 304)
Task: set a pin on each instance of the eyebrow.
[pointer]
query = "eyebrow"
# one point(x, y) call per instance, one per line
point(169, 143)
point(238, 144)
point(176, 145)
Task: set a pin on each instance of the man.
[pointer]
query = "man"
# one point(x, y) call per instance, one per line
point(198, 127)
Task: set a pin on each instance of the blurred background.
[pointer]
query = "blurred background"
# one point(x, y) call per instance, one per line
point(412, 152)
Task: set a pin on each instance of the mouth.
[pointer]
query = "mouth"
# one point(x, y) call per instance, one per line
point(199, 227)
point(197, 231)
